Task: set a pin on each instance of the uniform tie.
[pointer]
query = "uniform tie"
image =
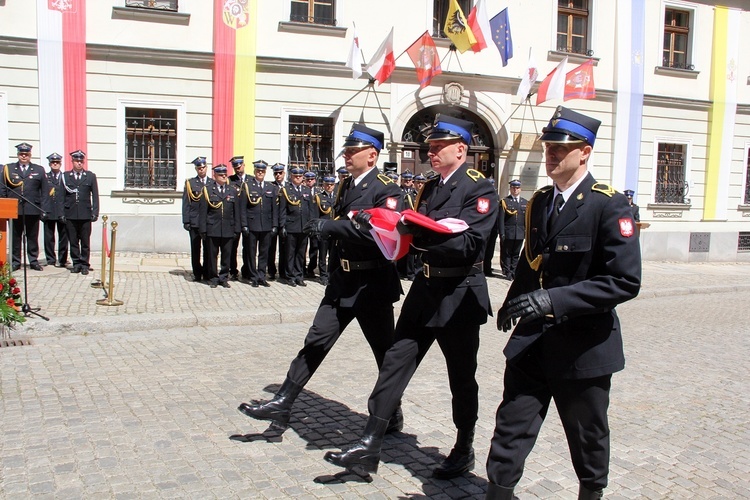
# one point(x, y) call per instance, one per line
point(221, 189)
point(556, 206)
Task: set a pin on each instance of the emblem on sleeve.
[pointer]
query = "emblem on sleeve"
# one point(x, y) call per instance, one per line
point(391, 203)
point(626, 227)
point(483, 205)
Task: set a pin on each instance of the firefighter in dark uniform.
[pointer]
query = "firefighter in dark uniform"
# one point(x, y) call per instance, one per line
point(55, 221)
point(26, 182)
point(219, 222)
point(191, 201)
point(312, 248)
point(512, 228)
point(295, 209)
point(237, 179)
point(259, 217)
point(81, 209)
point(581, 259)
point(447, 302)
point(278, 241)
point(629, 193)
point(343, 173)
point(364, 286)
point(405, 264)
point(324, 203)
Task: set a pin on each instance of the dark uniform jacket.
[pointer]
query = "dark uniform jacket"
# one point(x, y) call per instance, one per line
point(362, 287)
point(32, 186)
point(81, 196)
point(512, 218)
point(191, 200)
point(439, 302)
point(295, 207)
point(219, 214)
point(324, 204)
point(258, 205)
point(590, 261)
point(410, 195)
point(56, 196)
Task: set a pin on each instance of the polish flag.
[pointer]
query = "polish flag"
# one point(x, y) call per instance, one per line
point(553, 86)
point(479, 22)
point(383, 63)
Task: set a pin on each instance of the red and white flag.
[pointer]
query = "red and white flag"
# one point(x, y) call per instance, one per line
point(383, 63)
point(528, 79)
point(479, 22)
point(354, 61)
point(579, 83)
point(424, 55)
point(553, 87)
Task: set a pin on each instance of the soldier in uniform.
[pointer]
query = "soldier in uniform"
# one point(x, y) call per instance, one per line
point(324, 200)
point(629, 193)
point(219, 222)
point(447, 302)
point(581, 259)
point(364, 287)
point(312, 248)
point(81, 209)
point(55, 221)
point(295, 209)
point(191, 201)
point(237, 179)
point(419, 181)
point(343, 173)
point(405, 264)
point(259, 217)
point(278, 241)
point(26, 182)
point(511, 228)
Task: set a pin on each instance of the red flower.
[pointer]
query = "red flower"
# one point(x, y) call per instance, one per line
point(12, 282)
point(1, 287)
point(10, 302)
point(16, 291)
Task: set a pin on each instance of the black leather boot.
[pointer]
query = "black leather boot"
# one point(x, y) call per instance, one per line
point(497, 492)
point(587, 494)
point(396, 423)
point(279, 409)
point(364, 457)
point(461, 458)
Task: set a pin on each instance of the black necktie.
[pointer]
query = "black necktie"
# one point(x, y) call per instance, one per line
point(556, 206)
point(221, 189)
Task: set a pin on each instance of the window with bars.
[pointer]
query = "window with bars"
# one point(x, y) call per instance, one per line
point(168, 5)
point(150, 148)
point(311, 144)
point(671, 184)
point(314, 12)
point(440, 13)
point(573, 26)
point(676, 39)
point(747, 178)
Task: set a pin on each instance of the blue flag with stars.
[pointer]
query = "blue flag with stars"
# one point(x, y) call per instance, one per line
point(500, 26)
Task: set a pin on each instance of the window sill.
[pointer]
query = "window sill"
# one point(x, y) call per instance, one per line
point(312, 29)
point(682, 73)
point(557, 56)
point(744, 208)
point(150, 15)
point(668, 206)
point(147, 196)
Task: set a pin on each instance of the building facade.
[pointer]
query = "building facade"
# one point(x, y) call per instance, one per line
point(145, 86)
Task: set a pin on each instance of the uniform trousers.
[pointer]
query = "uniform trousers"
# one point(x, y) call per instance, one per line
point(30, 223)
point(296, 245)
point(459, 345)
point(216, 245)
point(255, 259)
point(198, 254)
point(277, 247)
point(582, 406)
point(323, 258)
point(50, 226)
point(79, 235)
point(233, 269)
point(510, 249)
point(375, 320)
point(312, 253)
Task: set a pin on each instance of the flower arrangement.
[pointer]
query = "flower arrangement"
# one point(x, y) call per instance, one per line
point(10, 299)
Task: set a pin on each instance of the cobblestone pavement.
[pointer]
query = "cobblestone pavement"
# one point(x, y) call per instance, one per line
point(139, 401)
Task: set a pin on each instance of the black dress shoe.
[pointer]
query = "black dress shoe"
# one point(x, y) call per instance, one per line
point(16, 267)
point(75, 269)
point(50, 263)
point(84, 271)
point(214, 285)
point(254, 284)
point(225, 284)
point(301, 283)
point(271, 277)
point(456, 464)
point(264, 283)
point(36, 267)
point(291, 282)
point(59, 264)
point(234, 277)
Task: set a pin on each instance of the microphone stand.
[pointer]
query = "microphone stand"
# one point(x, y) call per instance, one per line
point(26, 308)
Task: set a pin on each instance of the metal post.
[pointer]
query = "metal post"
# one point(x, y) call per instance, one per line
point(100, 282)
point(109, 300)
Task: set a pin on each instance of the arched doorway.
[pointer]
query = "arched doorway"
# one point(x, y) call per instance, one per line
point(414, 150)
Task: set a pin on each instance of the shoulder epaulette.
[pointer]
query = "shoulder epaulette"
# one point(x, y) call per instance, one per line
point(475, 175)
point(384, 179)
point(543, 189)
point(600, 187)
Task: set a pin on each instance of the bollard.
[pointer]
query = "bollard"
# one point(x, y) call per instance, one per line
point(100, 282)
point(109, 299)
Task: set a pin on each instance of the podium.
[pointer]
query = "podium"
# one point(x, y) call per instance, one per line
point(8, 210)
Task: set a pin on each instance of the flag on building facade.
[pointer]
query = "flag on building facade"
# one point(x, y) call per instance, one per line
point(354, 61)
point(529, 78)
point(424, 55)
point(579, 83)
point(500, 26)
point(457, 28)
point(479, 22)
point(553, 86)
point(383, 63)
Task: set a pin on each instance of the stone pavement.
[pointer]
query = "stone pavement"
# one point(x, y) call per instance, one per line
point(139, 401)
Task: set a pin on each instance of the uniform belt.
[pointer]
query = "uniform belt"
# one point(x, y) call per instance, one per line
point(362, 265)
point(451, 272)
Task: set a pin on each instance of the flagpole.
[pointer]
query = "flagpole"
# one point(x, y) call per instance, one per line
point(355, 95)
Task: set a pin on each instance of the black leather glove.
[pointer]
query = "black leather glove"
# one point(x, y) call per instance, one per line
point(408, 229)
point(525, 307)
point(94, 218)
point(245, 230)
point(274, 231)
point(186, 226)
point(63, 219)
point(362, 219)
point(283, 232)
point(314, 227)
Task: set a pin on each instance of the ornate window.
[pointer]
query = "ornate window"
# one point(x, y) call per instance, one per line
point(671, 184)
point(675, 52)
point(311, 143)
point(169, 5)
point(150, 148)
point(573, 26)
point(440, 13)
point(314, 12)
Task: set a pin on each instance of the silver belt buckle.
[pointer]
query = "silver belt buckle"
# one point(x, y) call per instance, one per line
point(426, 270)
point(345, 265)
